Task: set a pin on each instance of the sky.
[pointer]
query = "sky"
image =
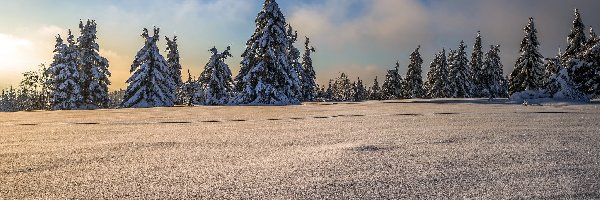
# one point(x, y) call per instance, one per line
point(362, 38)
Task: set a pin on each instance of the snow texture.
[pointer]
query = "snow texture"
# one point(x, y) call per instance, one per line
point(410, 149)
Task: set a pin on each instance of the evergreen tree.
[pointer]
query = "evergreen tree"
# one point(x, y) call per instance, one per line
point(360, 93)
point(375, 93)
point(437, 77)
point(461, 85)
point(8, 101)
point(529, 72)
point(552, 67)
point(392, 86)
point(329, 92)
point(413, 84)
point(67, 91)
point(215, 81)
point(150, 84)
point(578, 57)
point(342, 89)
point(116, 97)
point(188, 91)
point(576, 40)
point(266, 75)
point(477, 66)
point(594, 39)
point(309, 85)
point(492, 75)
point(587, 71)
point(559, 84)
point(173, 60)
point(93, 69)
point(293, 53)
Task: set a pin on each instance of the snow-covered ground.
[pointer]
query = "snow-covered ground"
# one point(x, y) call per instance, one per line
point(397, 149)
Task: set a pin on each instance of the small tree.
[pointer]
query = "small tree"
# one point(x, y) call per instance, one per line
point(413, 84)
point(150, 85)
point(215, 81)
point(360, 92)
point(392, 86)
point(189, 92)
point(173, 60)
point(477, 66)
point(8, 101)
point(375, 93)
point(309, 85)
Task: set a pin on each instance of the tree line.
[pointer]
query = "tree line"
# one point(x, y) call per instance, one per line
point(573, 75)
point(273, 72)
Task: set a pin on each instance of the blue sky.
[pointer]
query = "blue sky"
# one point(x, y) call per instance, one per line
point(361, 37)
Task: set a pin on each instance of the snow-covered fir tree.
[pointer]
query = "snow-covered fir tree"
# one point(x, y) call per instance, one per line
point(8, 101)
point(375, 91)
point(328, 95)
point(576, 39)
point(461, 85)
point(293, 53)
point(588, 69)
point(392, 86)
point(360, 92)
point(266, 75)
point(93, 68)
point(215, 81)
point(528, 73)
point(173, 60)
point(492, 82)
point(65, 76)
point(437, 78)
point(188, 92)
point(477, 66)
point(561, 87)
point(413, 84)
point(116, 98)
point(309, 76)
point(576, 58)
point(150, 85)
point(342, 89)
point(552, 67)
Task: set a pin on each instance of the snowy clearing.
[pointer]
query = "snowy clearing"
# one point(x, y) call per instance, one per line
point(395, 149)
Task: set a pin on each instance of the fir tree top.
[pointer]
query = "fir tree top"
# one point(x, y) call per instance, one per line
point(576, 38)
point(530, 42)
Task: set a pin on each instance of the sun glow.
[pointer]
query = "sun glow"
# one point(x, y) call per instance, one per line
point(14, 52)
